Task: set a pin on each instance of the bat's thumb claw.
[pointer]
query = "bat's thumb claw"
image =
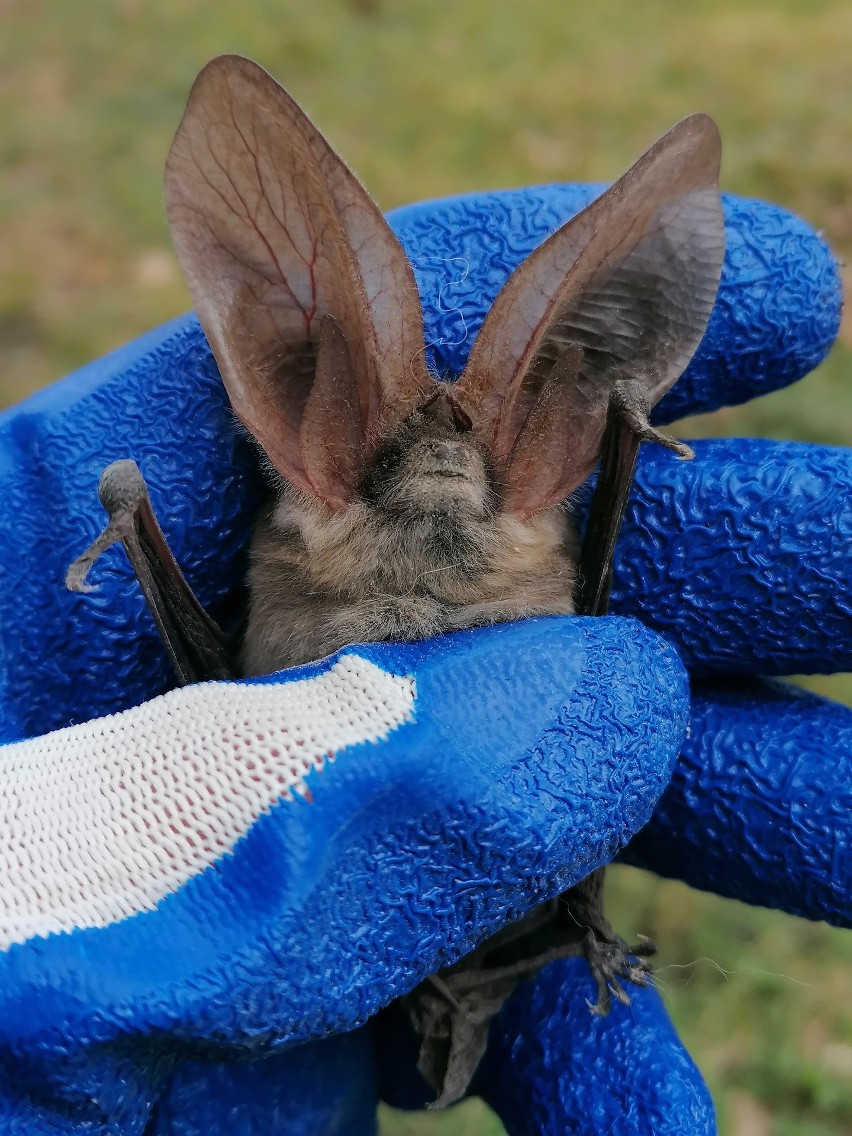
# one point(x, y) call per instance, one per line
point(75, 577)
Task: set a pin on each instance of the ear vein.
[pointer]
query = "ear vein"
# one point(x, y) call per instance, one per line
point(252, 220)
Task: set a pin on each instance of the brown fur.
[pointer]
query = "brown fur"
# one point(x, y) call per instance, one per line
point(424, 549)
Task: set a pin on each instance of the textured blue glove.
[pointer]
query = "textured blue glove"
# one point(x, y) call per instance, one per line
point(195, 919)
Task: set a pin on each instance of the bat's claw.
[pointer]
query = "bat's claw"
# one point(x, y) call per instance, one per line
point(612, 961)
point(121, 490)
point(630, 402)
point(451, 1011)
point(195, 644)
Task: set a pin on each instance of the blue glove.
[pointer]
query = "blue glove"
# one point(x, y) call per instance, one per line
point(195, 921)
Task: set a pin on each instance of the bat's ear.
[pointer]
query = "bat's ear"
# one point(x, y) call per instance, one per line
point(622, 291)
point(306, 296)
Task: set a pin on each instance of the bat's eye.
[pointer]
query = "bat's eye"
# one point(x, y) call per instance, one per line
point(442, 407)
point(382, 470)
point(461, 420)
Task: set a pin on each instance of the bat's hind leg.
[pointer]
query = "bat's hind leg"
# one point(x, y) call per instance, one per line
point(196, 645)
point(452, 1011)
point(610, 959)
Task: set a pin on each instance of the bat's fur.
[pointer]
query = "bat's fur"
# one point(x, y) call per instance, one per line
point(425, 548)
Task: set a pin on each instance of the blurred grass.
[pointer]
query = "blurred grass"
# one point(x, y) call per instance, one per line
point(425, 99)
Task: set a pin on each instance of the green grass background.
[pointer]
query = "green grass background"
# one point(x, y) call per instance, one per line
point(427, 98)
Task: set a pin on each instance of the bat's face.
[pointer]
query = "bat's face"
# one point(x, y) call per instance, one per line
point(424, 547)
point(432, 465)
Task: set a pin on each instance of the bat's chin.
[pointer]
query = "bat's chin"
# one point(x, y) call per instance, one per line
point(448, 493)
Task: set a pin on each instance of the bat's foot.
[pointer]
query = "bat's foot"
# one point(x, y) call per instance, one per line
point(451, 1011)
point(612, 962)
point(610, 959)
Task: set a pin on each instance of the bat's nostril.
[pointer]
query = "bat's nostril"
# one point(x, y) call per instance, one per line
point(447, 451)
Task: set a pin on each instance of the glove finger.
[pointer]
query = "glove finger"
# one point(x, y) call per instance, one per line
point(160, 401)
point(760, 806)
point(94, 1090)
point(741, 557)
point(70, 657)
point(553, 1067)
point(323, 1089)
point(326, 1088)
point(776, 315)
point(495, 769)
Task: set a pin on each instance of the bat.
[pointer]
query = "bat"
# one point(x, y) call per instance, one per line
point(401, 506)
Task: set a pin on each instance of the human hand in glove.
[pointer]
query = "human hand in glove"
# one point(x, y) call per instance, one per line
point(197, 885)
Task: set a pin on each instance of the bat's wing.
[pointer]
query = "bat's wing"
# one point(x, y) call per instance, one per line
point(196, 645)
point(627, 426)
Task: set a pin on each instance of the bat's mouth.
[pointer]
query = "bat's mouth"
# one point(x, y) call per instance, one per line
point(447, 473)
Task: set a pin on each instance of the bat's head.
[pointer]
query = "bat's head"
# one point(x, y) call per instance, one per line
point(310, 305)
